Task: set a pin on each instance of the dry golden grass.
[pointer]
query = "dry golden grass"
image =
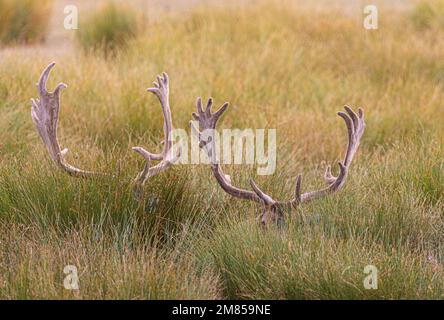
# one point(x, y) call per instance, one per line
point(24, 21)
point(280, 67)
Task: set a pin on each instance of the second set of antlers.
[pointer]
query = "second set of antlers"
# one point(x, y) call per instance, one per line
point(45, 114)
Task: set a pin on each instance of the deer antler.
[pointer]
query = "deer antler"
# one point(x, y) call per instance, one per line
point(355, 127)
point(45, 114)
point(207, 125)
point(167, 157)
point(273, 210)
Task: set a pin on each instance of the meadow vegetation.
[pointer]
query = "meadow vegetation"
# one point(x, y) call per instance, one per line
point(281, 67)
point(428, 14)
point(24, 21)
point(109, 27)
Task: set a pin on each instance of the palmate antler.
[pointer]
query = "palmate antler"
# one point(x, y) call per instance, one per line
point(167, 157)
point(45, 114)
point(272, 209)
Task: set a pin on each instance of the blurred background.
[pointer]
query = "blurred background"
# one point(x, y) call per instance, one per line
point(40, 23)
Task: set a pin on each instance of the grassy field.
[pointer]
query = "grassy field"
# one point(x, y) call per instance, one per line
point(281, 67)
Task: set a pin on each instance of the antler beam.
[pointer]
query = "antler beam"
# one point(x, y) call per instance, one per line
point(355, 127)
point(167, 157)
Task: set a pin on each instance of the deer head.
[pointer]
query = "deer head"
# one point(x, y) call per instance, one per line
point(272, 210)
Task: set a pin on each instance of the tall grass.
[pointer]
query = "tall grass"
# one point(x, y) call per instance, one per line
point(109, 28)
point(428, 14)
point(32, 262)
point(281, 67)
point(24, 21)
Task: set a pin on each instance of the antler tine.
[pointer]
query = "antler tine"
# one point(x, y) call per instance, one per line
point(297, 191)
point(207, 124)
point(41, 84)
point(265, 197)
point(167, 157)
point(355, 134)
point(45, 115)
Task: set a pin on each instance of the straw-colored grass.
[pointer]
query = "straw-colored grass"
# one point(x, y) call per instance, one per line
point(280, 67)
point(24, 21)
point(108, 28)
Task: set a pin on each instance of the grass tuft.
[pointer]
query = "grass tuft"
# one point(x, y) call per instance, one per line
point(109, 28)
point(24, 21)
point(428, 14)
